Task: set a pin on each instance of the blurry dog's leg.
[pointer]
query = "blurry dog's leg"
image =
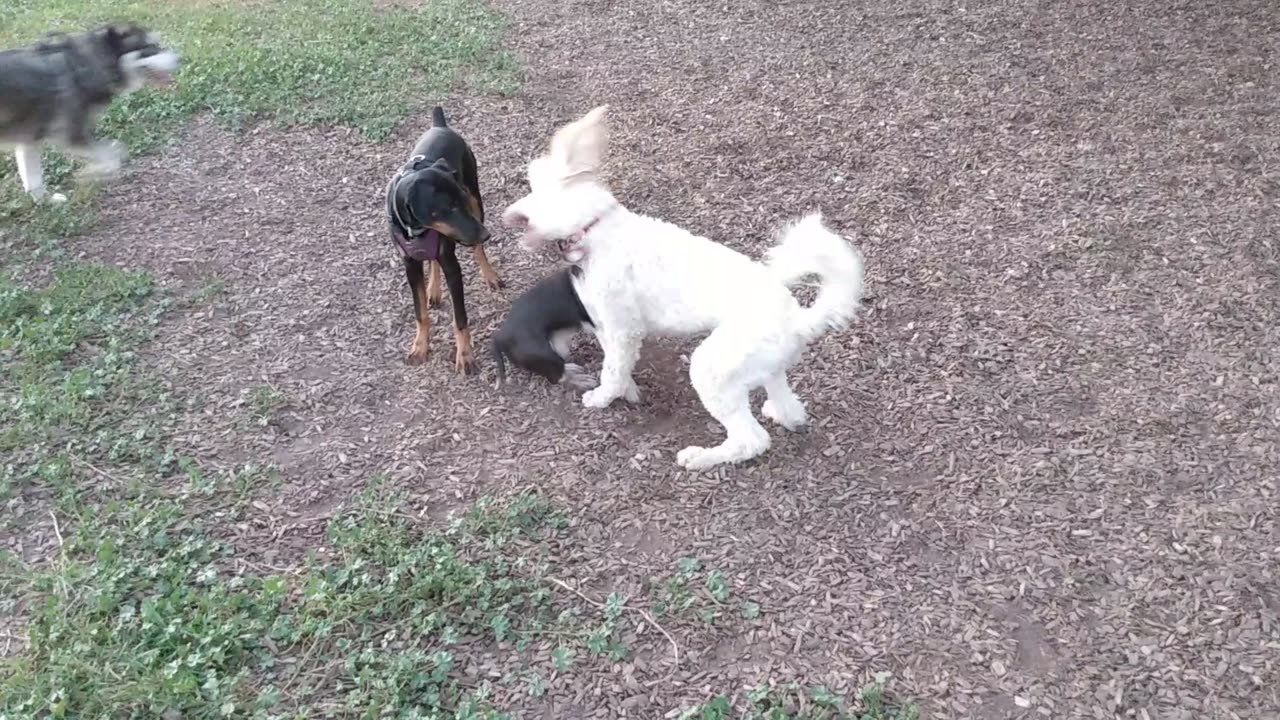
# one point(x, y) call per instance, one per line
point(105, 156)
point(31, 172)
point(105, 159)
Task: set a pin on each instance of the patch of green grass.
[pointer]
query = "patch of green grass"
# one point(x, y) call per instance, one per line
point(67, 349)
point(39, 227)
point(145, 614)
point(313, 62)
point(793, 702)
point(229, 489)
point(144, 611)
point(136, 620)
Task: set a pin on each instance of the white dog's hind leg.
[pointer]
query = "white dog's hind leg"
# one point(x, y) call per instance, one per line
point(31, 172)
point(782, 406)
point(721, 381)
point(620, 355)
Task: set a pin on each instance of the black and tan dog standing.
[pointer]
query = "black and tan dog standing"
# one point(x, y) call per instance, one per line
point(434, 205)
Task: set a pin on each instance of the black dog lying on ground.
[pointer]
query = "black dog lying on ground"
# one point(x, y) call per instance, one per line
point(538, 330)
point(433, 205)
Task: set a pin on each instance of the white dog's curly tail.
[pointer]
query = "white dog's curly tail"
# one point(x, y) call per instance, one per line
point(809, 248)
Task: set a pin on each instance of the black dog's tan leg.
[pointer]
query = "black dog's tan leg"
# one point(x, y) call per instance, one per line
point(464, 359)
point(435, 291)
point(486, 270)
point(476, 207)
point(420, 348)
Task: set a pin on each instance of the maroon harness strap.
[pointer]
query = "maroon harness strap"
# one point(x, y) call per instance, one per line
point(423, 248)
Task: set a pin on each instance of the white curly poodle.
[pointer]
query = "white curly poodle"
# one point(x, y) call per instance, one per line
point(642, 276)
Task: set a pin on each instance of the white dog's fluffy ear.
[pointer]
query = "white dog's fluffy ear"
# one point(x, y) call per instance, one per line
point(581, 143)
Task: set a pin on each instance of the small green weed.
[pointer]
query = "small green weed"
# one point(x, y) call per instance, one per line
point(264, 401)
point(209, 291)
point(792, 702)
point(694, 589)
point(602, 639)
point(238, 485)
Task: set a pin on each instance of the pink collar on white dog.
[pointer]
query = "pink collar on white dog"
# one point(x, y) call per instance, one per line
point(571, 248)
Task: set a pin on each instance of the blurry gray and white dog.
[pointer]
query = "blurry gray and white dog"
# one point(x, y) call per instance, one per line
point(53, 92)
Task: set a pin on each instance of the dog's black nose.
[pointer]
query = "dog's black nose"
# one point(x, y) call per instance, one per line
point(484, 234)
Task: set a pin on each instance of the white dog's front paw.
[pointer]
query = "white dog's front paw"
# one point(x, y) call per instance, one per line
point(598, 398)
point(632, 393)
point(794, 420)
point(696, 458)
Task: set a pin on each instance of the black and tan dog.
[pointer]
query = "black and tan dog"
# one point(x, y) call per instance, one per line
point(434, 205)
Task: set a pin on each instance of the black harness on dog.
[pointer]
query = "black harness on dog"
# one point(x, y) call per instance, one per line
point(420, 243)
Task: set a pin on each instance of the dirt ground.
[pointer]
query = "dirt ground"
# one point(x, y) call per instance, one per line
point(1042, 481)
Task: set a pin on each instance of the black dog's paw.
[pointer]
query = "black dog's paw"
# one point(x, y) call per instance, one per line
point(417, 355)
point(465, 366)
point(464, 361)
